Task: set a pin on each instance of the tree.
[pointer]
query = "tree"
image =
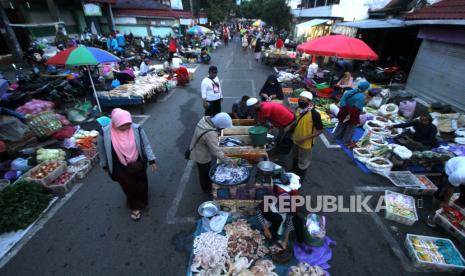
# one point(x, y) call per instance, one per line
point(217, 10)
point(274, 12)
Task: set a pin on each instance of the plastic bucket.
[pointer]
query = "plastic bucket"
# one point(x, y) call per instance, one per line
point(258, 135)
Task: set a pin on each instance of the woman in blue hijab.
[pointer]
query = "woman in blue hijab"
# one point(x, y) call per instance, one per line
point(352, 104)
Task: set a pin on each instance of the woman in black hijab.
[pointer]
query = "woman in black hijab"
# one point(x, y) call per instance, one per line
point(271, 90)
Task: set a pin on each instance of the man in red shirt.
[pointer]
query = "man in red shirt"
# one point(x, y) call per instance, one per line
point(277, 114)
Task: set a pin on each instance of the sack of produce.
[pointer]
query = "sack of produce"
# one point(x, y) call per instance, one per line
point(390, 110)
point(362, 154)
point(379, 165)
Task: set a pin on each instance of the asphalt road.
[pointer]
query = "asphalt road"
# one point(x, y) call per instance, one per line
point(91, 234)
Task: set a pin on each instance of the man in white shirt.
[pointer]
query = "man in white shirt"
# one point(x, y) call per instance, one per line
point(212, 95)
point(145, 67)
point(453, 177)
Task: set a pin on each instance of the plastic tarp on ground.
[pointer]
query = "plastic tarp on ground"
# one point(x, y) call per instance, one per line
point(9, 240)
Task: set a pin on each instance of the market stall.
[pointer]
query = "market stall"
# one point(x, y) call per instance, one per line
point(44, 158)
point(137, 93)
point(278, 57)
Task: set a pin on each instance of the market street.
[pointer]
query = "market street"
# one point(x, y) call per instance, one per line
point(91, 234)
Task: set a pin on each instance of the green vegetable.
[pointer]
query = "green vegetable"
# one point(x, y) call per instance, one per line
point(364, 141)
point(382, 151)
point(21, 204)
point(296, 93)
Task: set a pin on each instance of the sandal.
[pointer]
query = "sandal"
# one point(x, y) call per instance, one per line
point(136, 215)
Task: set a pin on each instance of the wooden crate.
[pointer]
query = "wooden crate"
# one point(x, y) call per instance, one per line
point(241, 192)
point(242, 207)
point(252, 155)
point(244, 122)
point(287, 90)
point(238, 130)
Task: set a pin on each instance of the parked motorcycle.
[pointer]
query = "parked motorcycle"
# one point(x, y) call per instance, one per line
point(390, 74)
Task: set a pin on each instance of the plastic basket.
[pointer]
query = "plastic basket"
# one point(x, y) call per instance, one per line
point(408, 201)
point(428, 188)
point(87, 166)
point(51, 176)
point(446, 225)
point(65, 188)
point(44, 124)
point(430, 266)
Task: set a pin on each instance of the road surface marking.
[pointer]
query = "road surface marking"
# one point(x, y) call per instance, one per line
point(398, 250)
point(327, 144)
point(254, 92)
point(143, 120)
point(170, 216)
point(169, 95)
point(250, 65)
point(38, 225)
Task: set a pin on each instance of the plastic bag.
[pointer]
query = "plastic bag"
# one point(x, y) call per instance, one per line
point(115, 83)
point(316, 226)
point(20, 164)
point(403, 152)
point(388, 110)
point(12, 129)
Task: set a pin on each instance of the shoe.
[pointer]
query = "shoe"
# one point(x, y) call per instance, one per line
point(430, 222)
point(351, 145)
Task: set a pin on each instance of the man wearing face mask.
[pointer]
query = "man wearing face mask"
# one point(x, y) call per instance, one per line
point(308, 126)
point(204, 145)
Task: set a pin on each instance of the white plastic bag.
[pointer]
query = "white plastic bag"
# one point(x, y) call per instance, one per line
point(403, 152)
point(389, 110)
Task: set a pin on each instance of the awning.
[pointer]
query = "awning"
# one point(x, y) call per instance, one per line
point(305, 25)
point(374, 24)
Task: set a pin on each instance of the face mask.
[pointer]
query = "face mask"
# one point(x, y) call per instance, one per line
point(303, 104)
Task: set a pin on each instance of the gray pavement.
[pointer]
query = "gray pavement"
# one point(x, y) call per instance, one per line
point(91, 234)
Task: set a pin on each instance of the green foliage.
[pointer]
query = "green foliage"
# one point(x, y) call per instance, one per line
point(275, 13)
point(21, 205)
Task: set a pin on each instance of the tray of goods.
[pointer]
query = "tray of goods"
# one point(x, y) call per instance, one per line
point(81, 168)
point(400, 208)
point(46, 172)
point(404, 179)
point(91, 154)
point(453, 202)
point(432, 254)
point(63, 184)
point(453, 221)
point(427, 187)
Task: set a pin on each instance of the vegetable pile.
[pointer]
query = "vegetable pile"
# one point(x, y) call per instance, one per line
point(50, 154)
point(62, 179)
point(44, 170)
point(21, 205)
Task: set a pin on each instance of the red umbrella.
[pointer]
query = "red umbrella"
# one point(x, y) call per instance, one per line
point(340, 46)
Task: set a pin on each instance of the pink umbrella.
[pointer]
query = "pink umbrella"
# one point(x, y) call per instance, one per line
point(340, 46)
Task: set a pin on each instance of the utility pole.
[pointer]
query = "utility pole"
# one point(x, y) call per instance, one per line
point(10, 37)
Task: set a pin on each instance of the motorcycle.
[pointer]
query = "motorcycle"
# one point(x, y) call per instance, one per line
point(390, 74)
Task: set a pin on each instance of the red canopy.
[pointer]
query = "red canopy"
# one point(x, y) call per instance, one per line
point(338, 46)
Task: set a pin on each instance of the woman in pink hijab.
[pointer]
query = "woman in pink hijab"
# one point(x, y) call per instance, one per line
point(125, 152)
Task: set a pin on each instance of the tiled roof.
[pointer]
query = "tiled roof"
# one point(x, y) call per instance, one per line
point(445, 9)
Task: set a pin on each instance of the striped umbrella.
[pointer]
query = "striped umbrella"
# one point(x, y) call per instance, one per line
point(79, 56)
point(198, 30)
point(83, 56)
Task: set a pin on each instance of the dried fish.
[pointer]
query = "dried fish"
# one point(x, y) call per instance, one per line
point(244, 240)
point(230, 174)
point(210, 254)
point(304, 269)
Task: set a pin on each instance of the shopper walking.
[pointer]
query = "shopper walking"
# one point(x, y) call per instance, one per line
point(212, 95)
point(124, 151)
point(258, 49)
point(204, 145)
